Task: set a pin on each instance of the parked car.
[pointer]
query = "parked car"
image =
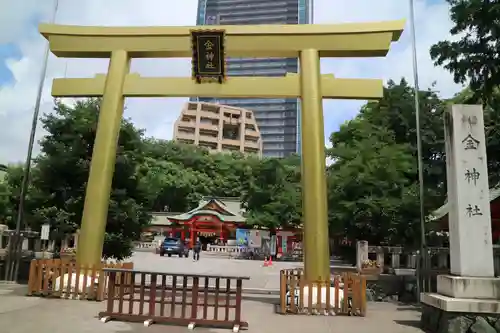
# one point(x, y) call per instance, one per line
point(175, 246)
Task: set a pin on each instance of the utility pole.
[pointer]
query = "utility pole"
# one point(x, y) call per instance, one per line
point(15, 249)
point(423, 244)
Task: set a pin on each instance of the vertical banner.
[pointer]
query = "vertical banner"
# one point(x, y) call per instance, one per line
point(284, 243)
point(273, 245)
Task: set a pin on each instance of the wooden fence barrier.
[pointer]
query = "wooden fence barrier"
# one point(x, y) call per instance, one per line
point(343, 295)
point(182, 299)
point(65, 278)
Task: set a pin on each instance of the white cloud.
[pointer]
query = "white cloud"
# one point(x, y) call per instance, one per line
point(16, 16)
point(157, 115)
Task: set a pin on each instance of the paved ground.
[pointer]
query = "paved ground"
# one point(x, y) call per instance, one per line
point(20, 314)
point(260, 277)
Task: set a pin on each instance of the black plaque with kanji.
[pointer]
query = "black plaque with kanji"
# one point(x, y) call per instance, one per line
point(209, 63)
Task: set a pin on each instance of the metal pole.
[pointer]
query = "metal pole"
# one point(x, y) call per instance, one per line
point(311, 11)
point(9, 258)
point(34, 123)
point(423, 245)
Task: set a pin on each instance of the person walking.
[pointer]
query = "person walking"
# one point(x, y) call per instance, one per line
point(196, 251)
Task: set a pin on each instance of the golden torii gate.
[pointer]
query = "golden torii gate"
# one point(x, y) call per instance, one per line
point(307, 42)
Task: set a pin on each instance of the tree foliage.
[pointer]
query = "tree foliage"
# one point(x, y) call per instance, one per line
point(10, 189)
point(61, 172)
point(373, 184)
point(473, 56)
point(273, 195)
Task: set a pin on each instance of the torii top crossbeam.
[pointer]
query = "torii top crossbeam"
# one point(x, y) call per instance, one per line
point(331, 40)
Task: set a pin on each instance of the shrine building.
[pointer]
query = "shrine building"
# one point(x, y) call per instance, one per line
point(215, 220)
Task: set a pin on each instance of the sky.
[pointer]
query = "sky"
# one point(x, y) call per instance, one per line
point(22, 51)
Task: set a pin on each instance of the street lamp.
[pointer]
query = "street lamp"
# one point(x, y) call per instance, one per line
point(11, 272)
point(423, 245)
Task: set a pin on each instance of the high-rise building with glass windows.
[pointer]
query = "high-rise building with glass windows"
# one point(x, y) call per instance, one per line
point(278, 118)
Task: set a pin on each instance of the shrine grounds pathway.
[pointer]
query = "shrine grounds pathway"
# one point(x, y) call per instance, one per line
point(262, 279)
point(21, 314)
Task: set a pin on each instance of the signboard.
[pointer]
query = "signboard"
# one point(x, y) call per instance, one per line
point(242, 237)
point(44, 235)
point(209, 63)
point(254, 239)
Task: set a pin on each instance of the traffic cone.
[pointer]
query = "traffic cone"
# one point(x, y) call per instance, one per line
point(265, 262)
point(270, 262)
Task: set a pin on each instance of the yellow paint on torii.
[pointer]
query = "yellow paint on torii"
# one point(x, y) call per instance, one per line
point(249, 87)
point(266, 40)
point(306, 42)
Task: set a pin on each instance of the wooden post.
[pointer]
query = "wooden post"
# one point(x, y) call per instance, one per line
point(191, 233)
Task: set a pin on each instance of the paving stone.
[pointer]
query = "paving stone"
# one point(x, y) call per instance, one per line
point(19, 314)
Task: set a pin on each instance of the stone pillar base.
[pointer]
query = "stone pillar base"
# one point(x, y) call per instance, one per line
point(466, 305)
point(444, 314)
point(462, 305)
point(437, 320)
point(469, 287)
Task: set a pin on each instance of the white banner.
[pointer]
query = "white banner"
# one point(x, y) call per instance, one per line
point(44, 235)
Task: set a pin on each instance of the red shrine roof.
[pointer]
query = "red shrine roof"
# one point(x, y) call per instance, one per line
point(224, 211)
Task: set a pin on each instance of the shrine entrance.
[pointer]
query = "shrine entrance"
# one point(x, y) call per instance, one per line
point(208, 50)
point(207, 239)
point(208, 230)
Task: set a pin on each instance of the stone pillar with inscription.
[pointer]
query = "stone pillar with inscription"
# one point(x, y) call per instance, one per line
point(470, 295)
point(361, 254)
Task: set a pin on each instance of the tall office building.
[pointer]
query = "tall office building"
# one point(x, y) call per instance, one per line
point(278, 118)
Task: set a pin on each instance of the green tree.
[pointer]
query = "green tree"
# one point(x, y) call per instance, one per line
point(371, 191)
point(385, 133)
point(61, 173)
point(396, 113)
point(272, 196)
point(6, 211)
point(10, 187)
point(172, 187)
point(473, 56)
point(179, 175)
